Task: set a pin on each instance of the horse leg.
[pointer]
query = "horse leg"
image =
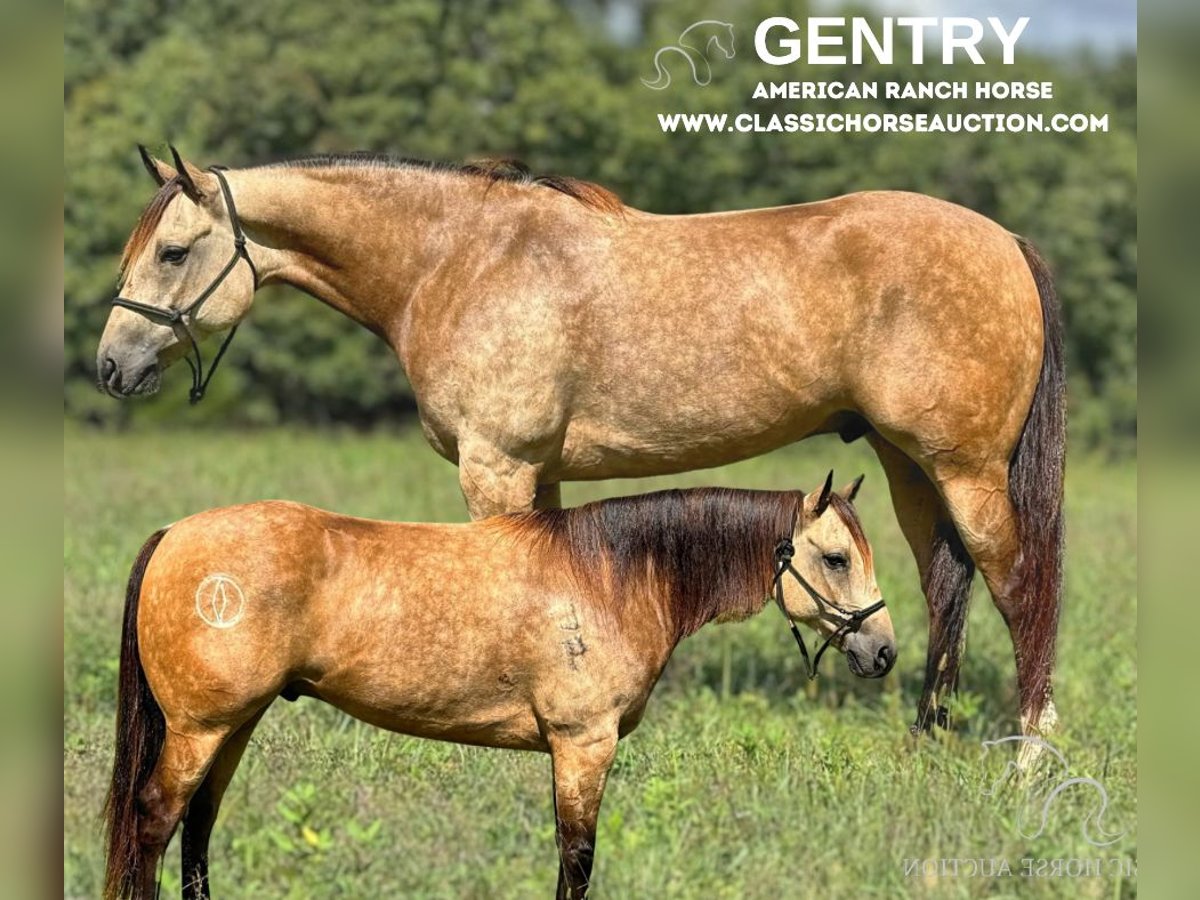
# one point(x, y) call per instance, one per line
point(182, 764)
point(987, 520)
point(202, 811)
point(494, 482)
point(946, 571)
point(548, 496)
point(581, 763)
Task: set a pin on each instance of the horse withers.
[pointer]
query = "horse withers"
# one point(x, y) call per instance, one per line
point(539, 631)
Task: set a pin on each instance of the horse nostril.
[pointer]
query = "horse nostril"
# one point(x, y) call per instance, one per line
point(112, 374)
point(885, 657)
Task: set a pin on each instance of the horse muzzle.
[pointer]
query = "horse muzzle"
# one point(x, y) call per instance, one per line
point(127, 377)
point(870, 658)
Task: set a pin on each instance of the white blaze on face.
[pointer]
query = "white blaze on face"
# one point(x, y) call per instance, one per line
point(220, 601)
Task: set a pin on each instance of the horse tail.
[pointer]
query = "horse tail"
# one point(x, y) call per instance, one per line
point(141, 730)
point(1035, 487)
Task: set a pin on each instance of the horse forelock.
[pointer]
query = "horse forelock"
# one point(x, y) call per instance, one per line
point(849, 516)
point(147, 224)
point(507, 171)
point(704, 554)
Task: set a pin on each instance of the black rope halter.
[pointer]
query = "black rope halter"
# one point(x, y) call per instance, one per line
point(847, 621)
point(178, 318)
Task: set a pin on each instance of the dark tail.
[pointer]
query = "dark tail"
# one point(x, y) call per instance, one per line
point(140, 732)
point(1035, 486)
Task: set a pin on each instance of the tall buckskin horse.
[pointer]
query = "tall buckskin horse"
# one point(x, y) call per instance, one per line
point(538, 631)
point(552, 333)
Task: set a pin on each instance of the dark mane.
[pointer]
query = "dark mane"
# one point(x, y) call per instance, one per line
point(709, 551)
point(509, 171)
point(147, 224)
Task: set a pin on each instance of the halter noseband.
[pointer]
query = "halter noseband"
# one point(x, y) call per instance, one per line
point(847, 621)
point(178, 317)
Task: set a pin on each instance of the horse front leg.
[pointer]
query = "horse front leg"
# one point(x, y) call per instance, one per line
point(581, 763)
point(495, 482)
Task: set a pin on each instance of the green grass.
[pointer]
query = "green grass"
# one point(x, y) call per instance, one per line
point(742, 781)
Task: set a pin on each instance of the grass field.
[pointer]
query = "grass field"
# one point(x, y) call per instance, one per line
point(742, 781)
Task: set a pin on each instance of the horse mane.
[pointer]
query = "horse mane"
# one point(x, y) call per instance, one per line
point(147, 224)
point(707, 553)
point(508, 171)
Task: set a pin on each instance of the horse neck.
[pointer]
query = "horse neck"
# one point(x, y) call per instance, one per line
point(360, 239)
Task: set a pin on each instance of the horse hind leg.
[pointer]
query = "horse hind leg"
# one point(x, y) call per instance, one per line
point(185, 758)
point(946, 571)
point(202, 810)
point(988, 520)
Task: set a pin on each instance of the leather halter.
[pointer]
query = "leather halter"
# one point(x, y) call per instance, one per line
point(847, 621)
point(179, 317)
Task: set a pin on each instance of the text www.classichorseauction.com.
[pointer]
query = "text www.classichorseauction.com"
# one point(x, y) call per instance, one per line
point(775, 43)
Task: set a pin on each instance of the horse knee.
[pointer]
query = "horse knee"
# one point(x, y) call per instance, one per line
point(494, 483)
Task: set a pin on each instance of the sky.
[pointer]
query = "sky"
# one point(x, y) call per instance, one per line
point(1103, 25)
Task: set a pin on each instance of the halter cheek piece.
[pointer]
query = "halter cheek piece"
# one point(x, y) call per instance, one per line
point(847, 621)
point(179, 317)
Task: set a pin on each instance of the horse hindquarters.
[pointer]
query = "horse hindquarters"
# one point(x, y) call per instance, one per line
point(1006, 512)
point(1011, 518)
point(162, 757)
point(156, 763)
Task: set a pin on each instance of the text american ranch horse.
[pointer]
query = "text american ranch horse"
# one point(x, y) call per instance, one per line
point(552, 333)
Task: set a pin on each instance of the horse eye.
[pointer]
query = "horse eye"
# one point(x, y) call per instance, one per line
point(835, 561)
point(173, 255)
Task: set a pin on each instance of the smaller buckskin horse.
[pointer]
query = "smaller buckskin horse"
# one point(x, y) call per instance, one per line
point(535, 631)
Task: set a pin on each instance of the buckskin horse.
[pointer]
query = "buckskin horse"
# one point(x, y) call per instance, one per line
point(538, 631)
point(552, 333)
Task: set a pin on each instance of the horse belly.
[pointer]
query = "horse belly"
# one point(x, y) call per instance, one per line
point(461, 719)
point(627, 447)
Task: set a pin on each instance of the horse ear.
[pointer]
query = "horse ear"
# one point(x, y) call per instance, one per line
point(822, 501)
point(159, 170)
point(850, 491)
point(187, 176)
